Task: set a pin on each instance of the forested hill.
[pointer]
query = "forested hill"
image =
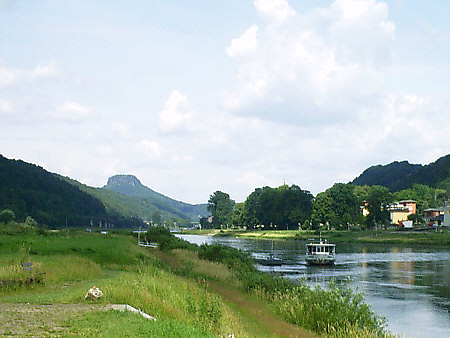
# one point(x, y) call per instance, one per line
point(29, 190)
point(401, 175)
point(129, 185)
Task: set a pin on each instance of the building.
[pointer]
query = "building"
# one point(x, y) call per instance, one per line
point(399, 211)
point(431, 215)
point(438, 216)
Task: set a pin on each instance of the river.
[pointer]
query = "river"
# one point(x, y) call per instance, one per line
point(410, 286)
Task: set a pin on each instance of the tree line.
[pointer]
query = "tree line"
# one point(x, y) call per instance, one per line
point(339, 207)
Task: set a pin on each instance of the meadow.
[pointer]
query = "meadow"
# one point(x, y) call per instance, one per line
point(192, 291)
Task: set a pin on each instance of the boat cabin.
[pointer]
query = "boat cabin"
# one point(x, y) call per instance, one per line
point(320, 253)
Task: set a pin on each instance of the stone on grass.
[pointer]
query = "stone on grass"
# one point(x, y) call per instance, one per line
point(94, 293)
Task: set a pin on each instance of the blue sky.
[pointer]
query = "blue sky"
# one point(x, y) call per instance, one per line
point(198, 96)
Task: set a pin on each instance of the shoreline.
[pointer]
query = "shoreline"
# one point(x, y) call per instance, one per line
point(404, 238)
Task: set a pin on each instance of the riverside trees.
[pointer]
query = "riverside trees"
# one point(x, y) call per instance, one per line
point(221, 208)
point(338, 207)
point(281, 208)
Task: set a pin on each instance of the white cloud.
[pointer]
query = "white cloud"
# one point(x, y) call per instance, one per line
point(176, 114)
point(71, 111)
point(151, 149)
point(44, 71)
point(245, 43)
point(315, 68)
point(10, 76)
point(276, 11)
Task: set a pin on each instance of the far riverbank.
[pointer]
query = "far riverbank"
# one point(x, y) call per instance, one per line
point(365, 236)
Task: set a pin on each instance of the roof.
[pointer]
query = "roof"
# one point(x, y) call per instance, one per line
point(407, 201)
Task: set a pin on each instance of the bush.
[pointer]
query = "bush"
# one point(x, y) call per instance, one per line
point(166, 240)
point(31, 222)
point(7, 216)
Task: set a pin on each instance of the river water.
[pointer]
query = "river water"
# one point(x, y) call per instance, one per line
point(410, 286)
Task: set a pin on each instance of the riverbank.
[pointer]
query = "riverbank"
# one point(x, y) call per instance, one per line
point(428, 238)
point(192, 291)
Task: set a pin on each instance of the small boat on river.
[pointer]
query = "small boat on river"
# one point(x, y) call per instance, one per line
point(320, 252)
point(271, 261)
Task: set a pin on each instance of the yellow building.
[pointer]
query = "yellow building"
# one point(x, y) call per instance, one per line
point(398, 216)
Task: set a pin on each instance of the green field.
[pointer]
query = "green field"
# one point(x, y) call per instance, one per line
point(193, 292)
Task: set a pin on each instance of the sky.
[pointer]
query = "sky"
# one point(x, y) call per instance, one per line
point(197, 96)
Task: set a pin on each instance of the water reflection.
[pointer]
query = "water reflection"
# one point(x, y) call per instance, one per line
point(409, 286)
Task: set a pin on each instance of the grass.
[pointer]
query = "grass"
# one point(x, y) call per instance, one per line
point(123, 324)
point(192, 291)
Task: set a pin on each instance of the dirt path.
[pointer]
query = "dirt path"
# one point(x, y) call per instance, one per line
point(259, 313)
point(35, 320)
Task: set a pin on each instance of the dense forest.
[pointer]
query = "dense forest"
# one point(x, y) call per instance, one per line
point(397, 176)
point(29, 190)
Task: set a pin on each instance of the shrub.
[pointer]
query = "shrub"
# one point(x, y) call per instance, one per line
point(167, 241)
point(7, 216)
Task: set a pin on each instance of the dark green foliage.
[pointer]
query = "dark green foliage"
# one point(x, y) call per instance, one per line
point(378, 200)
point(30, 190)
point(282, 208)
point(221, 208)
point(401, 175)
point(166, 240)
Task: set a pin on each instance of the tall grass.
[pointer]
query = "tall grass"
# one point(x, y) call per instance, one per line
point(336, 311)
point(333, 311)
point(163, 294)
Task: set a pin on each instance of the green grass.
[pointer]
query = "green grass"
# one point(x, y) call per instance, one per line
point(170, 284)
point(123, 324)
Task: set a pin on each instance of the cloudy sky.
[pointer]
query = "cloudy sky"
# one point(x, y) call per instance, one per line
point(198, 96)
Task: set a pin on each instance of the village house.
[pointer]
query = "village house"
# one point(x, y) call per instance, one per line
point(438, 216)
point(399, 211)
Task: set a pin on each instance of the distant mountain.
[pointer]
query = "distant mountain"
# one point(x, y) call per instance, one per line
point(129, 185)
point(401, 175)
point(29, 190)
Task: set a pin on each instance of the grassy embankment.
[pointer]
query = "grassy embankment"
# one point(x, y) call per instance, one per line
point(195, 292)
point(431, 238)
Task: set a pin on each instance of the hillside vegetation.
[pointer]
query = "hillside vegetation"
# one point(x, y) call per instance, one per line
point(129, 185)
point(402, 175)
point(29, 190)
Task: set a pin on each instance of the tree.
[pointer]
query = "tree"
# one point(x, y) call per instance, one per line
point(343, 201)
point(7, 216)
point(284, 207)
point(156, 218)
point(377, 202)
point(204, 223)
point(239, 215)
point(221, 208)
point(322, 212)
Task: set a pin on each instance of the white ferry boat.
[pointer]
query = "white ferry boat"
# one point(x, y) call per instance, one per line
point(320, 252)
